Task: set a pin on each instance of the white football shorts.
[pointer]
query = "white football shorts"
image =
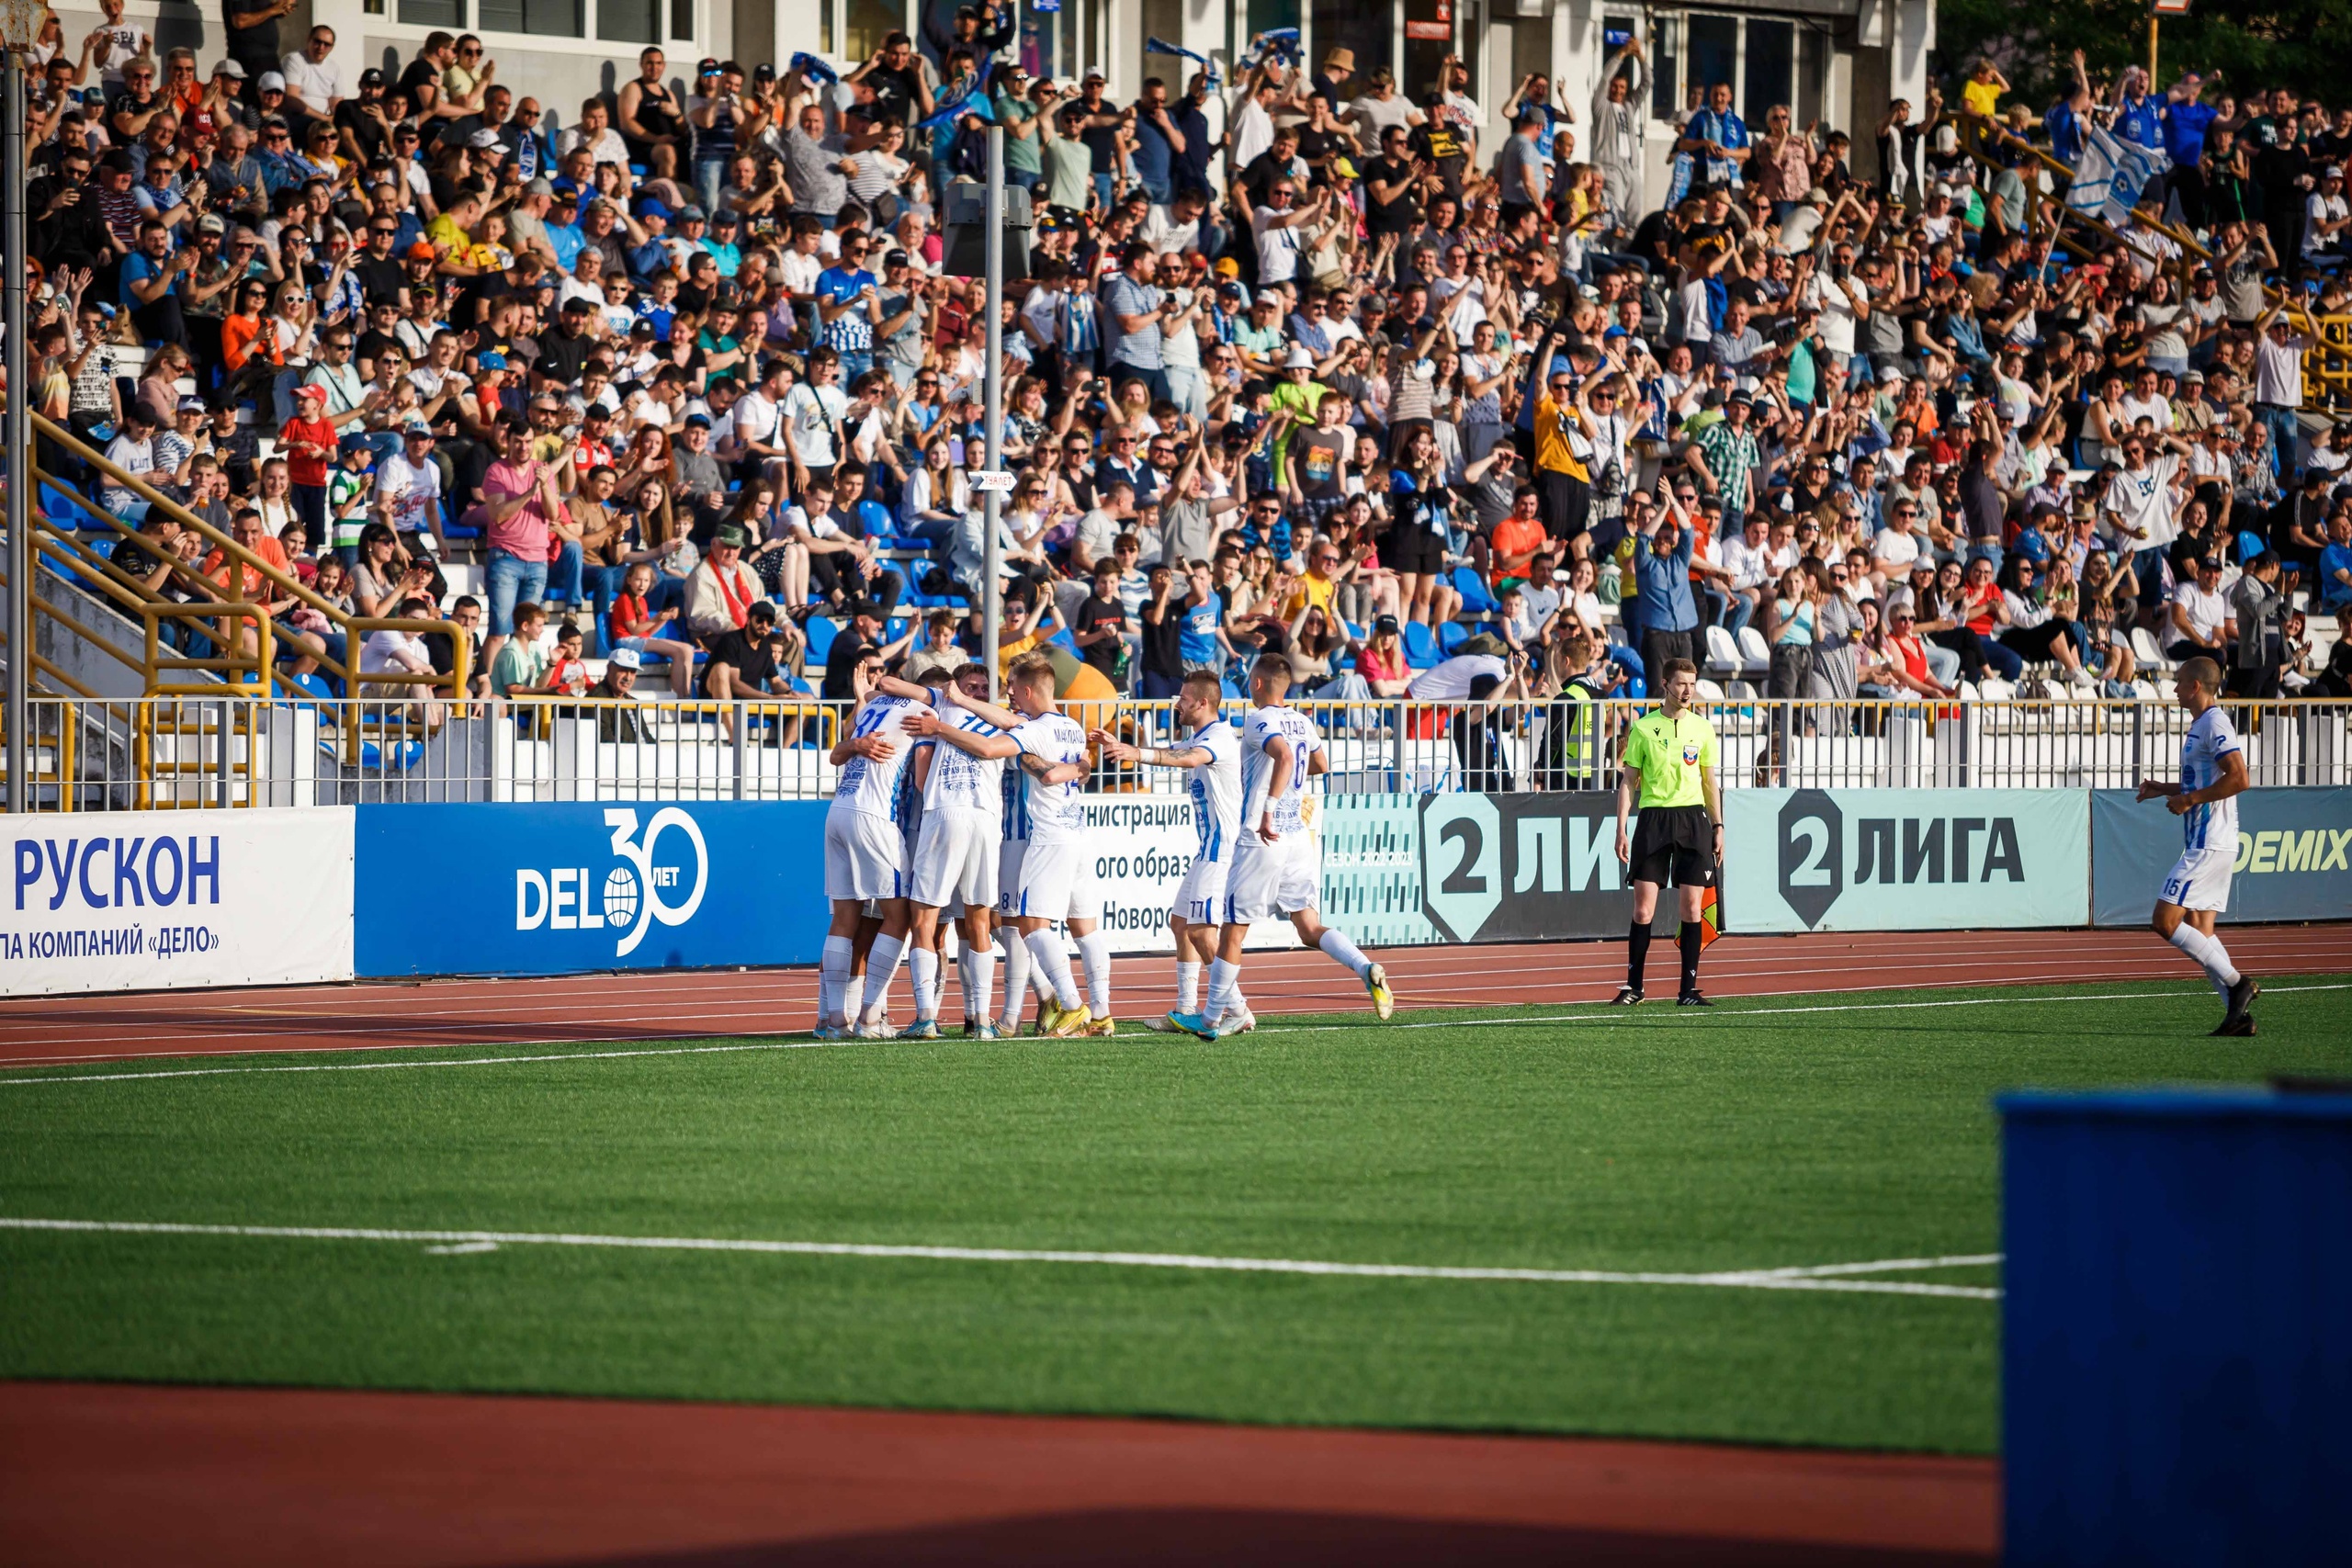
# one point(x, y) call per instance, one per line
point(1199, 898)
point(865, 856)
point(2200, 878)
point(956, 861)
point(1273, 879)
point(1056, 880)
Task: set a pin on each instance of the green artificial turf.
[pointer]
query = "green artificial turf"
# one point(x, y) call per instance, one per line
point(1764, 1133)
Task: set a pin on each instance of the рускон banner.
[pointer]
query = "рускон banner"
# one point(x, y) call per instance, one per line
point(1886, 860)
point(147, 900)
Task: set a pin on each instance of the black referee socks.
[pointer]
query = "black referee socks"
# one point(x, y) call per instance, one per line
point(1690, 944)
point(1637, 953)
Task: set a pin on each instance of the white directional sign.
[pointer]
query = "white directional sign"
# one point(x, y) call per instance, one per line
point(987, 479)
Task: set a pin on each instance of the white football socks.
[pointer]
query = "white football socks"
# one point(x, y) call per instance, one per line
point(832, 979)
point(922, 973)
point(1049, 958)
point(977, 969)
point(1016, 976)
point(2208, 953)
point(881, 969)
point(1224, 984)
point(1188, 985)
point(1344, 949)
point(1094, 953)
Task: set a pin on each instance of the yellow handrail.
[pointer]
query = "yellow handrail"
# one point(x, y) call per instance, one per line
point(356, 628)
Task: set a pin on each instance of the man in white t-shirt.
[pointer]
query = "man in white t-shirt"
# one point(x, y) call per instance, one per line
point(312, 78)
point(2137, 510)
point(2199, 622)
point(1897, 545)
point(2144, 400)
point(407, 484)
point(753, 429)
point(1282, 228)
point(813, 413)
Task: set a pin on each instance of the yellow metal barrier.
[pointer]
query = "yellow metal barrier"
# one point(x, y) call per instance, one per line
point(354, 629)
point(2327, 362)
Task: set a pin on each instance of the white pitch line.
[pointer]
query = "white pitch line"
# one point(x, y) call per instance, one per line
point(1589, 1017)
point(442, 1242)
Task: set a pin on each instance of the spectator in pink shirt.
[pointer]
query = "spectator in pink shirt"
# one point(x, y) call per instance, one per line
point(521, 504)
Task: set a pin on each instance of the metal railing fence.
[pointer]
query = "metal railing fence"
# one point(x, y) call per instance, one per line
point(242, 750)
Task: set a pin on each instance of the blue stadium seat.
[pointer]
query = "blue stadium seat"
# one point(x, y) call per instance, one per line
point(1420, 648)
point(1451, 636)
point(821, 633)
point(1476, 599)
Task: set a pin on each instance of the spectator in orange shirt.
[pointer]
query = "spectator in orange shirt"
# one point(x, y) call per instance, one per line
point(1519, 537)
point(242, 581)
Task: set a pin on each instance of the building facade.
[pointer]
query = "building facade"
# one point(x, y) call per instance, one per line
point(1837, 62)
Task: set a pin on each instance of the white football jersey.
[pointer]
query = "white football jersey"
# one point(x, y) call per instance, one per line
point(959, 780)
point(865, 783)
point(1257, 769)
point(1216, 789)
point(2214, 823)
point(1035, 811)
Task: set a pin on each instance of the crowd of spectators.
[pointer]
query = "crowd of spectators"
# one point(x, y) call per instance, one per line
point(680, 370)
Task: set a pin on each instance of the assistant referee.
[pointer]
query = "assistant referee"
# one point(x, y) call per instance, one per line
point(1671, 759)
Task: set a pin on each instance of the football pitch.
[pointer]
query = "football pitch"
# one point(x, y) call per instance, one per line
point(1775, 1222)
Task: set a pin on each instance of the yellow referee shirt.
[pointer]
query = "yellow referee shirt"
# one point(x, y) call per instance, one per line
point(1668, 753)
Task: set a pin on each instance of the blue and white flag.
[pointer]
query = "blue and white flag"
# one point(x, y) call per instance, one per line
point(969, 96)
point(2111, 176)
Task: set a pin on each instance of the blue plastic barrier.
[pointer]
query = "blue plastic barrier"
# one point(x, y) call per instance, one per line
point(2177, 1357)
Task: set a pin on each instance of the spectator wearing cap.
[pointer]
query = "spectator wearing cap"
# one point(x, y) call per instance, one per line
point(722, 591)
point(2327, 218)
point(650, 257)
point(720, 246)
point(364, 124)
point(616, 716)
point(408, 486)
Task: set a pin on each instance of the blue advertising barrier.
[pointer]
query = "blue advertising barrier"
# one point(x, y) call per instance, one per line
point(557, 889)
point(2294, 856)
point(2176, 1377)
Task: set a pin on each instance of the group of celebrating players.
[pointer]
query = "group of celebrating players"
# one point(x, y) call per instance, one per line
point(954, 809)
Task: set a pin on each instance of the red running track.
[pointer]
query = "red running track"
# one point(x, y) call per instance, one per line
point(377, 1015)
point(254, 1477)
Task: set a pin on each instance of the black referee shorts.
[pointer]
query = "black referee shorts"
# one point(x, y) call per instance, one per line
point(1674, 846)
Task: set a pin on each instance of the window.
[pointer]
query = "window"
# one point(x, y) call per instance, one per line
point(1360, 28)
point(548, 18)
point(682, 18)
point(1164, 21)
point(1813, 78)
point(868, 20)
point(450, 14)
point(628, 21)
point(1771, 49)
point(1665, 88)
point(1712, 45)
